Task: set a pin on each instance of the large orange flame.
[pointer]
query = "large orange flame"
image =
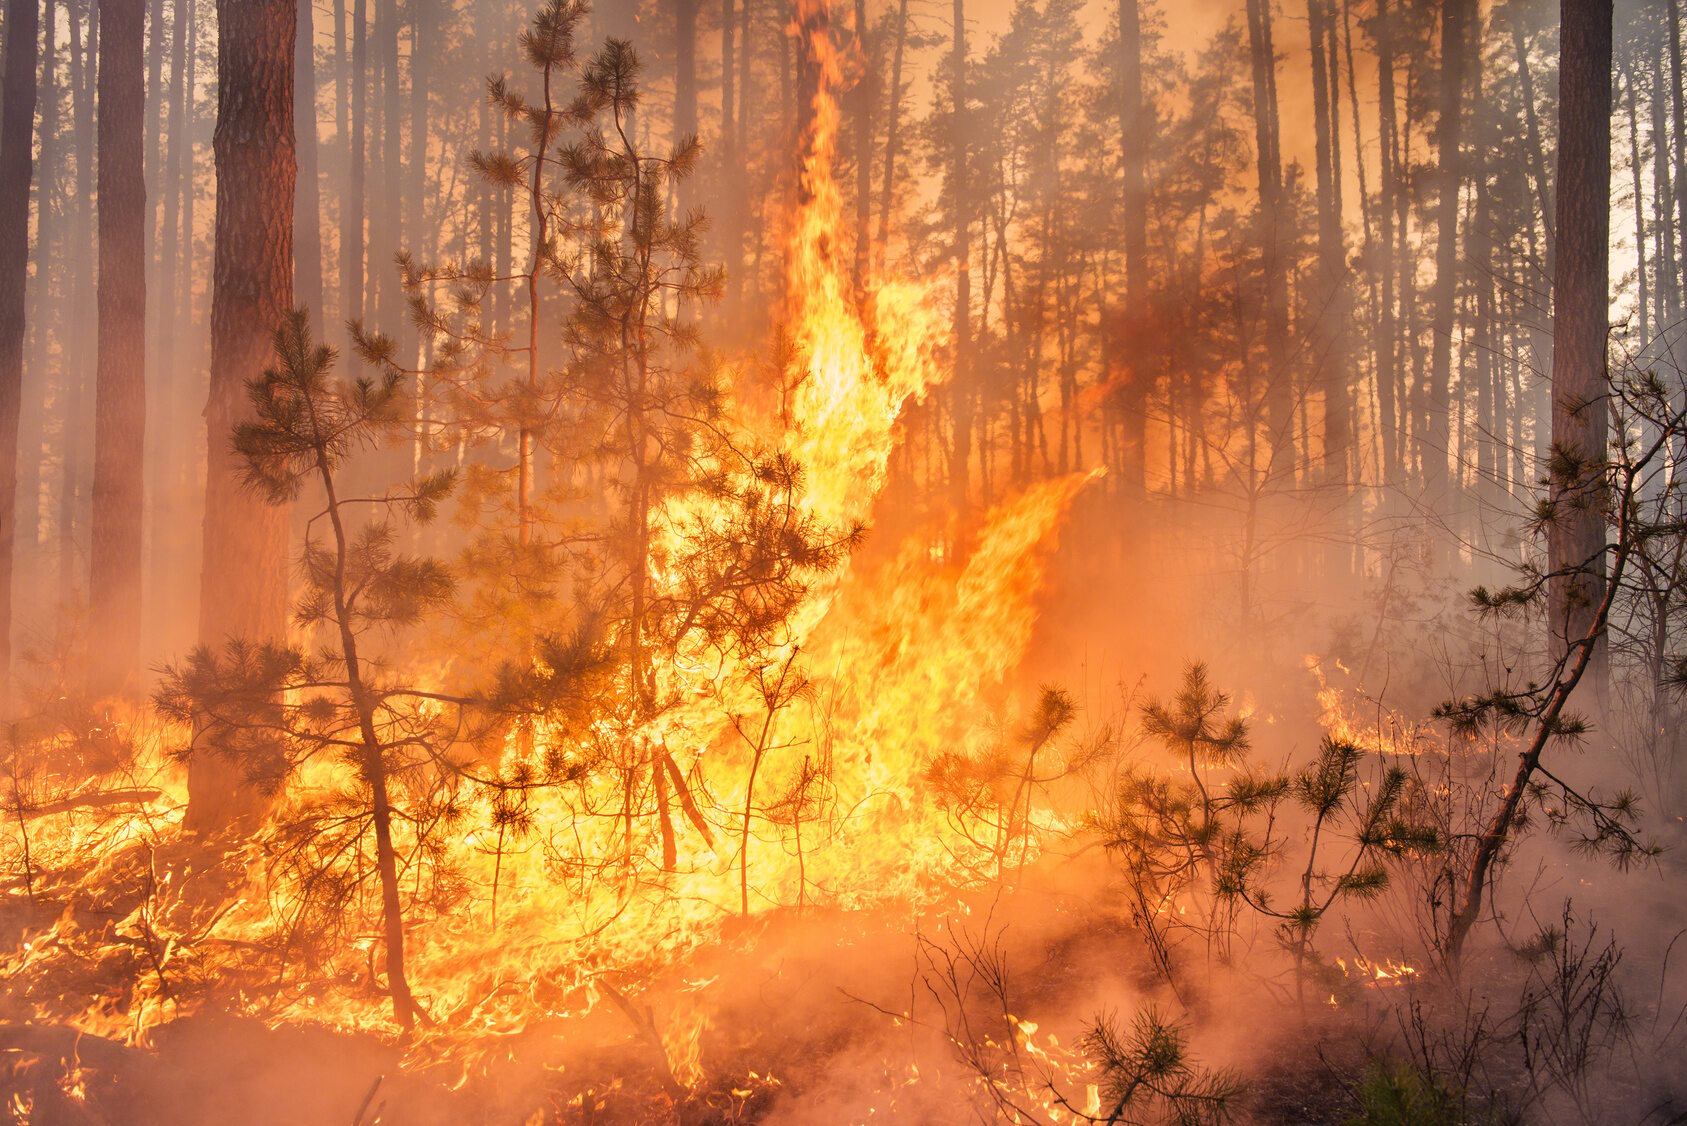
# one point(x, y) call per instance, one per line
point(823, 801)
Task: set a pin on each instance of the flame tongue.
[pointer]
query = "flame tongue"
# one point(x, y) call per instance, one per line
point(856, 367)
point(903, 659)
point(831, 808)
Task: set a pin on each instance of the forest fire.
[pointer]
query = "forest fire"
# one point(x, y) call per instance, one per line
point(771, 795)
point(747, 563)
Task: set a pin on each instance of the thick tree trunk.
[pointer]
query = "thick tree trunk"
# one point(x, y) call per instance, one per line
point(17, 151)
point(1580, 296)
point(1455, 20)
point(114, 559)
point(244, 581)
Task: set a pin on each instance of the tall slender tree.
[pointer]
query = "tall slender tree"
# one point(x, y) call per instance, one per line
point(1678, 110)
point(1134, 144)
point(17, 154)
point(45, 307)
point(243, 585)
point(1390, 401)
point(1329, 335)
point(73, 487)
point(893, 130)
point(420, 235)
point(961, 391)
point(352, 244)
point(1278, 388)
point(114, 559)
point(685, 82)
point(1455, 22)
point(307, 199)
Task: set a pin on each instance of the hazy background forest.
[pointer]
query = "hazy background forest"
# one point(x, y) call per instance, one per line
point(1040, 561)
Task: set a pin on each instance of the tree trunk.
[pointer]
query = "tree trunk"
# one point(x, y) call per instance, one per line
point(1532, 131)
point(1580, 296)
point(46, 306)
point(1279, 383)
point(734, 210)
point(172, 425)
point(1637, 170)
point(1669, 293)
point(154, 158)
point(1678, 107)
point(244, 579)
point(114, 559)
point(374, 765)
point(685, 69)
point(728, 81)
point(352, 238)
point(385, 244)
point(307, 200)
point(866, 94)
point(421, 41)
point(17, 151)
point(960, 224)
point(1134, 367)
point(1480, 252)
point(175, 187)
point(887, 183)
point(1389, 398)
point(77, 351)
point(1329, 345)
point(1455, 19)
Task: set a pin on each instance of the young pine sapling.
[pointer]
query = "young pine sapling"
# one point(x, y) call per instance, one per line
point(275, 706)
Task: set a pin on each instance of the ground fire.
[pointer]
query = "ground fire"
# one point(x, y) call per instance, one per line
point(813, 562)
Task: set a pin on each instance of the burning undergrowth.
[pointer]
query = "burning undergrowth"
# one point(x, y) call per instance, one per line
point(777, 832)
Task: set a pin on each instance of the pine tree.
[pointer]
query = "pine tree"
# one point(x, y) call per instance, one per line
point(17, 153)
point(114, 570)
point(268, 707)
point(243, 591)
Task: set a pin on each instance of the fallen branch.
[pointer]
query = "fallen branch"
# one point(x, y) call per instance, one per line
point(94, 799)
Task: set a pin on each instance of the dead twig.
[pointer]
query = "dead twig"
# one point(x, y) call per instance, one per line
point(644, 1020)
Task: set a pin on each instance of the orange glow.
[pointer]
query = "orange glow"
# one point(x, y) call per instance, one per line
point(904, 662)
